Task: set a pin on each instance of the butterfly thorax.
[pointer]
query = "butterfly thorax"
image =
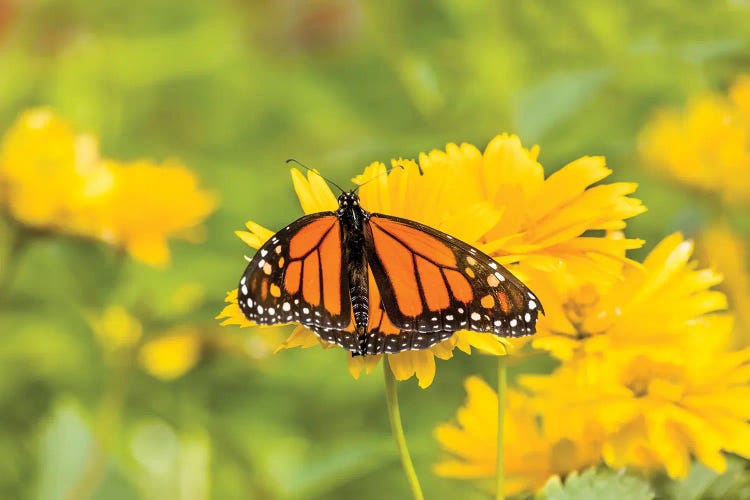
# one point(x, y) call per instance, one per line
point(352, 219)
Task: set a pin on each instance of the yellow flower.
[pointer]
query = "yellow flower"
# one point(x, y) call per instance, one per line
point(539, 221)
point(646, 366)
point(173, 354)
point(448, 191)
point(53, 178)
point(531, 456)
point(653, 413)
point(116, 328)
point(145, 205)
point(45, 170)
point(706, 147)
point(664, 307)
point(727, 253)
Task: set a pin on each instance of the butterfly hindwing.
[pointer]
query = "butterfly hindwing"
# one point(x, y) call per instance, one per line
point(431, 282)
point(299, 275)
point(385, 337)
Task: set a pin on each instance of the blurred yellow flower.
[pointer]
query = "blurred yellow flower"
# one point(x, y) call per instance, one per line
point(665, 308)
point(531, 456)
point(45, 170)
point(146, 204)
point(706, 147)
point(728, 253)
point(116, 328)
point(448, 191)
point(173, 354)
point(53, 178)
point(652, 413)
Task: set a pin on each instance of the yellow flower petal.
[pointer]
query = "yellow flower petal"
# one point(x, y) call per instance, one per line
point(231, 314)
point(313, 192)
point(300, 337)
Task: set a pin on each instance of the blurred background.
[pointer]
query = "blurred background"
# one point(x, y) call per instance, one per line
point(116, 381)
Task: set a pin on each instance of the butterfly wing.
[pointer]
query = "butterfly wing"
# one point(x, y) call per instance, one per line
point(298, 276)
point(430, 283)
point(385, 337)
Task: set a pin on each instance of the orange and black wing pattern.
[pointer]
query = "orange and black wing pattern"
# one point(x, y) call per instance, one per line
point(384, 337)
point(432, 284)
point(299, 276)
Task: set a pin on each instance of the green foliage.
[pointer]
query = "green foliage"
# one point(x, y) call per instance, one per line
point(594, 484)
point(703, 482)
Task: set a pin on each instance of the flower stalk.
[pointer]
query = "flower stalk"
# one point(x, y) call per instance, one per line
point(502, 389)
point(394, 415)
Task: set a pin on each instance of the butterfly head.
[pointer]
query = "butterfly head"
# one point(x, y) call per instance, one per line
point(348, 200)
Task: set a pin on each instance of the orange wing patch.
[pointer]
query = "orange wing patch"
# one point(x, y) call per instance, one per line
point(502, 297)
point(293, 277)
point(460, 286)
point(311, 279)
point(378, 319)
point(330, 259)
point(433, 285)
point(418, 241)
point(309, 237)
point(398, 264)
point(314, 248)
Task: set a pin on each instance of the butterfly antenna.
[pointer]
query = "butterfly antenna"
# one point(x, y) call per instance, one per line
point(292, 160)
point(387, 171)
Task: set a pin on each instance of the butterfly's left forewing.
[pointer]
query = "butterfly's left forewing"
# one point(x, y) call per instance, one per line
point(432, 283)
point(298, 276)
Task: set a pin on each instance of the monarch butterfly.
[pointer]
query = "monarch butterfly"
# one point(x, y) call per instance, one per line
point(373, 283)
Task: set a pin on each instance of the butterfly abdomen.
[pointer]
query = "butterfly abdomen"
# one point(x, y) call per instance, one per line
point(352, 221)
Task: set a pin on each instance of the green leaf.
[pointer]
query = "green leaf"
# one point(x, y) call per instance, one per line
point(694, 486)
point(65, 445)
point(595, 483)
point(547, 104)
point(733, 483)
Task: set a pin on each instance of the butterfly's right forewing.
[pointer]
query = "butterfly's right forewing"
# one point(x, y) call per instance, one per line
point(431, 282)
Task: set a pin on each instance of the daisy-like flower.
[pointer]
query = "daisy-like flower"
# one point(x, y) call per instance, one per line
point(647, 366)
point(531, 456)
point(664, 308)
point(446, 190)
point(53, 179)
point(705, 147)
point(652, 413)
point(145, 205)
point(541, 221)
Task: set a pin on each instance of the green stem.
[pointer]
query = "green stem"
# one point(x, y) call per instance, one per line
point(502, 389)
point(394, 414)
